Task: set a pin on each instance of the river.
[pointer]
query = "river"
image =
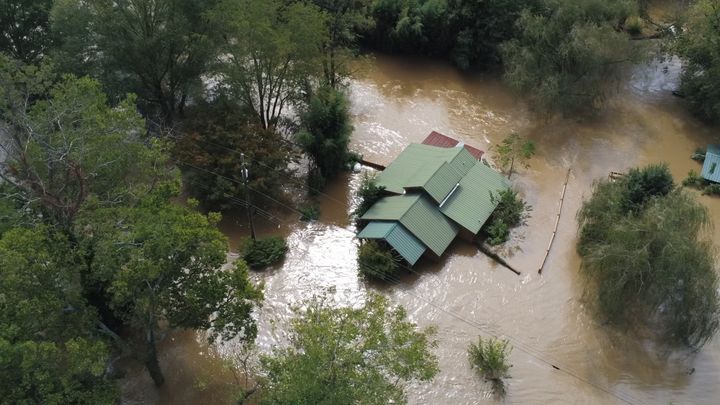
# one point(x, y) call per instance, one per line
point(396, 101)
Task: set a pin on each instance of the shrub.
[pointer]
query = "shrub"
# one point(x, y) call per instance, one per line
point(377, 261)
point(634, 25)
point(699, 155)
point(693, 180)
point(511, 211)
point(490, 359)
point(369, 193)
point(309, 213)
point(654, 267)
point(712, 189)
point(264, 252)
point(643, 184)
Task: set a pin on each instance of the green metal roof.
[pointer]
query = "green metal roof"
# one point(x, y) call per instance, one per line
point(424, 166)
point(711, 166)
point(419, 215)
point(407, 245)
point(470, 204)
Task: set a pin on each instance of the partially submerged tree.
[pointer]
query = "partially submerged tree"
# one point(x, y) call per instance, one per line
point(377, 261)
point(697, 45)
point(160, 264)
point(652, 264)
point(489, 357)
point(514, 148)
point(510, 212)
point(214, 136)
point(270, 53)
point(368, 194)
point(326, 129)
point(348, 355)
point(569, 53)
point(24, 29)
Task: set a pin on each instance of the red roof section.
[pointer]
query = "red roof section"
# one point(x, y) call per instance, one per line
point(443, 141)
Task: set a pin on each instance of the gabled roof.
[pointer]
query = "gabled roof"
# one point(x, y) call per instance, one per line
point(407, 245)
point(435, 170)
point(419, 215)
point(442, 141)
point(711, 166)
point(471, 205)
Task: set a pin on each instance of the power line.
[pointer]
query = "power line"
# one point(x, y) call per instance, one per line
point(531, 351)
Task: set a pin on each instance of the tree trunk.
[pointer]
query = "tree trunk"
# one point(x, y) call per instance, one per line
point(151, 361)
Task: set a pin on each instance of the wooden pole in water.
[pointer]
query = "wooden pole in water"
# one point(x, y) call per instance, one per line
point(557, 222)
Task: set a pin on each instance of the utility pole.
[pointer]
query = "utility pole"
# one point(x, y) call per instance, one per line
point(245, 176)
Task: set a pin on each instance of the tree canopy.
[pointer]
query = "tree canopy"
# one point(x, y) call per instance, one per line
point(348, 355)
point(156, 49)
point(270, 52)
point(568, 53)
point(652, 263)
point(25, 26)
point(49, 349)
point(697, 45)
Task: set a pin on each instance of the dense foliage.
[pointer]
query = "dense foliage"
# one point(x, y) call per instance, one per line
point(49, 350)
point(25, 29)
point(348, 356)
point(568, 53)
point(326, 130)
point(510, 212)
point(651, 263)
point(119, 253)
point(468, 32)
point(368, 194)
point(377, 261)
point(697, 45)
point(264, 252)
point(157, 49)
point(489, 357)
point(213, 137)
point(270, 53)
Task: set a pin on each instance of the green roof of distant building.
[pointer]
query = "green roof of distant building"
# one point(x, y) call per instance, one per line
point(711, 166)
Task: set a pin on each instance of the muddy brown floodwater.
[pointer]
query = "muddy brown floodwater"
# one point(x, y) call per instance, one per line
point(396, 101)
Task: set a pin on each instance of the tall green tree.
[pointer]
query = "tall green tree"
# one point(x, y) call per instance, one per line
point(346, 356)
point(271, 53)
point(63, 143)
point(50, 351)
point(698, 46)
point(651, 264)
point(568, 53)
point(160, 264)
point(214, 135)
point(157, 49)
point(345, 19)
point(326, 129)
point(24, 26)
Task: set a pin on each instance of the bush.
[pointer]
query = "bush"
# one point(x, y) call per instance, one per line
point(369, 193)
point(653, 267)
point(265, 252)
point(490, 359)
point(712, 189)
point(699, 155)
point(377, 261)
point(634, 25)
point(643, 184)
point(511, 211)
point(693, 180)
point(309, 213)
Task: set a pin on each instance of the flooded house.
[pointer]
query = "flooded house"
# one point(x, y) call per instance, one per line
point(436, 191)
